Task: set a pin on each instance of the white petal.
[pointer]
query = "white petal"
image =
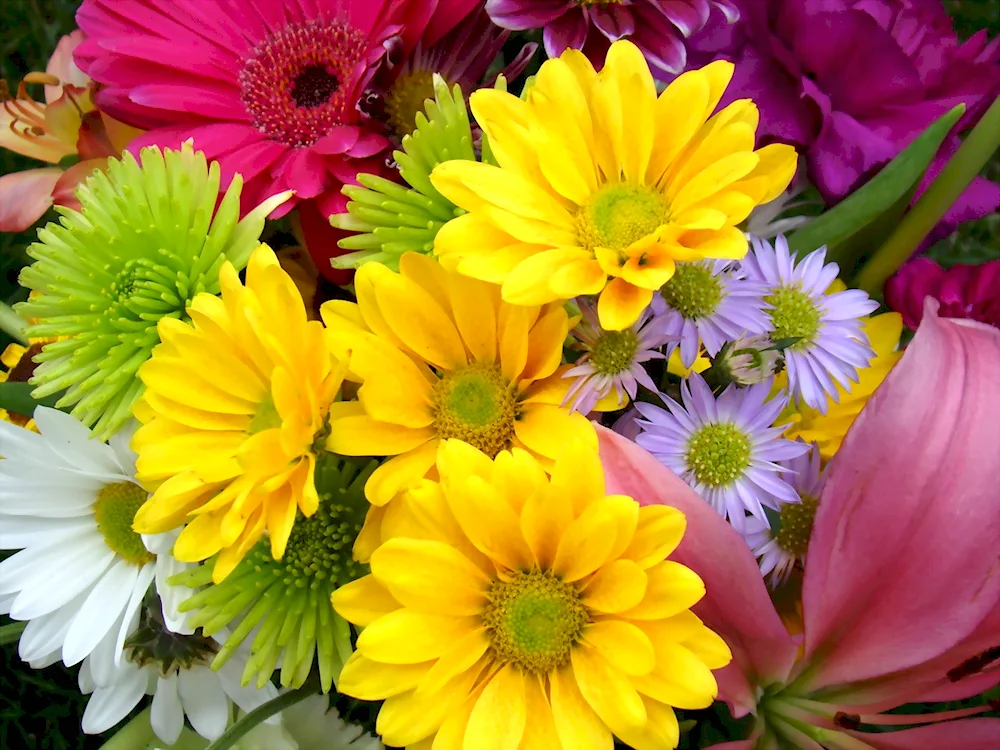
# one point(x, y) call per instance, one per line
point(57, 580)
point(249, 697)
point(166, 716)
point(43, 499)
point(171, 597)
point(46, 634)
point(100, 612)
point(72, 441)
point(16, 568)
point(129, 619)
point(204, 702)
point(120, 443)
point(109, 705)
point(22, 445)
point(18, 532)
point(85, 678)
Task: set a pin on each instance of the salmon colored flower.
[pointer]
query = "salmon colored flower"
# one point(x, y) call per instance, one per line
point(901, 591)
point(66, 126)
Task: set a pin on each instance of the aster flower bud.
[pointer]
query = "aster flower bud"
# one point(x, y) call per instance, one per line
point(748, 360)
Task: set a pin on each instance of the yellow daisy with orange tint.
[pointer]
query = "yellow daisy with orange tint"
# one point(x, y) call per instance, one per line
point(233, 405)
point(440, 356)
point(518, 611)
point(603, 186)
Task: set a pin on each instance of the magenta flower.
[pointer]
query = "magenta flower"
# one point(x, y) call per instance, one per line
point(269, 88)
point(657, 27)
point(852, 82)
point(901, 591)
point(964, 291)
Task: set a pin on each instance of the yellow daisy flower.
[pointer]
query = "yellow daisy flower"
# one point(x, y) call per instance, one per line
point(441, 356)
point(515, 611)
point(828, 430)
point(233, 405)
point(603, 186)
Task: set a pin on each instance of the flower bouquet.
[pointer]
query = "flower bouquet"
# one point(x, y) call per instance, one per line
point(506, 375)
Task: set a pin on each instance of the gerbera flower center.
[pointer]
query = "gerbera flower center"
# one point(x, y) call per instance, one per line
point(718, 454)
point(796, 525)
point(478, 406)
point(619, 215)
point(614, 351)
point(295, 86)
point(406, 98)
point(154, 644)
point(534, 619)
point(794, 314)
point(693, 291)
point(114, 511)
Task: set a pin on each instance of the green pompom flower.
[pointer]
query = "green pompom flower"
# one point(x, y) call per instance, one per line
point(392, 219)
point(288, 600)
point(146, 240)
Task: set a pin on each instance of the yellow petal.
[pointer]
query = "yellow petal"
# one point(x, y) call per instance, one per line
point(400, 473)
point(622, 644)
point(578, 278)
point(607, 689)
point(200, 539)
point(518, 477)
point(528, 283)
point(407, 637)
point(545, 343)
point(579, 728)
point(616, 587)
point(514, 325)
point(411, 717)
point(709, 647)
point(540, 729)
point(470, 235)
point(546, 429)
point(363, 601)
point(671, 588)
point(714, 179)
point(428, 576)
point(637, 95)
point(473, 305)
point(678, 114)
point(621, 304)
point(679, 679)
point(544, 520)
point(498, 719)
point(659, 531)
point(489, 523)
point(586, 545)
point(778, 162)
point(370, 680)
point(370, 536)
point(363, 436)
point(661, 729)
point(460, 657)
point(494, 267)
point(578, 475)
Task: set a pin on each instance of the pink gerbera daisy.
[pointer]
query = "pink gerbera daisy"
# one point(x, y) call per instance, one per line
point(269, 88)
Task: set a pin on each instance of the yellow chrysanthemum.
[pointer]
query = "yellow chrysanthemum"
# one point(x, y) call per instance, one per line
point(233, 405)
point(441, 356)
point(603, 186)
point(517, 611)
point(828, 430)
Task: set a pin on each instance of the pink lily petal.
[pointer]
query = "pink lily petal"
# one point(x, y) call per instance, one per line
point(902, 561)
point(967, 734)
point(62, 66)
point(736, 605)
point(25, 196)
point(64, 191)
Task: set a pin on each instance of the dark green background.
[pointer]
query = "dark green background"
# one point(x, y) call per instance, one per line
point(41, 709)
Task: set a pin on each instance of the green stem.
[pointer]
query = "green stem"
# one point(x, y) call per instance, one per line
point(11, 633)
point(233, 735)
point(13, 324)
point(136, 735)
point(956, 176)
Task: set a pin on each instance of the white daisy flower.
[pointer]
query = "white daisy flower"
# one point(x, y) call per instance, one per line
point(174, 669)
point(67, 502)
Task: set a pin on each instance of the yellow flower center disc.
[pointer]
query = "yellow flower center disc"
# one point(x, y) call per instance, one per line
point(619, 215)
point(718, 454)
point(796, 525)
point(406, 98)
point(477, 405)
point(533, 620)
point(614, 351)
point(114, 512)
point(693, 291)
point(794, 315)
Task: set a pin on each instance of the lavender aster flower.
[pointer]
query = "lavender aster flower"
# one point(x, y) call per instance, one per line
point(782, 548)
point(657, 27)
point(613, 359)
point(725, 448)
point(831, 344)
point(711, 302)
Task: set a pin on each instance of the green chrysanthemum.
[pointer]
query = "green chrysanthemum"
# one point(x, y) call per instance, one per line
point(288, 600)
point(392, 219)
point(146, 240)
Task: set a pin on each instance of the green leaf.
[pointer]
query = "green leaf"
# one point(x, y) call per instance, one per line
point(858, 223)
point(16, 397)
point(11, 633)
point(235, 732)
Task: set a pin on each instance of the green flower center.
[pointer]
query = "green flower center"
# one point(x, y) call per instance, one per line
point(114, 511)
point(534, 619)
point(619, 215)
point(718, 454)
point(478, 405)
point(693, 290)
point(794, 314)
point(153, 644)
point(796, 525)
point(614, 351)
point(406, 98)
point(266, 417)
